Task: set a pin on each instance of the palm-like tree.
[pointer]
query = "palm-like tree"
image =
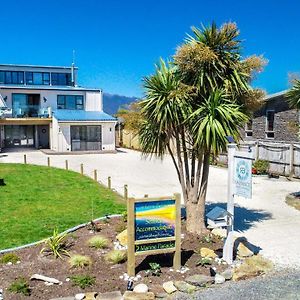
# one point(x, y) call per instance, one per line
point(192, 105)
point(293, 95)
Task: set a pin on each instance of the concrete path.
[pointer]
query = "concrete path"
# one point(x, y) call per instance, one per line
point(265, 220)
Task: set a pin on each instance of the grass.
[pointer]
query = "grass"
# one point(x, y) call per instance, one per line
point(83, 281)
point(98, 242)
point(20, 286)
point(116, 257)
point(38, 199)
point(9, 258)
point(80, 261)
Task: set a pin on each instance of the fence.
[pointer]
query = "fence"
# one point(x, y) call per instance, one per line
point(284, 159)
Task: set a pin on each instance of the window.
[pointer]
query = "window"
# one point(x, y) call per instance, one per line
point(61, 79)
point(69, 102)
point(270, 116)
point(37, 78)
point(248, 128)
point(11, 77)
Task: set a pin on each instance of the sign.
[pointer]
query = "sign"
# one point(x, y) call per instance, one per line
point(242, 175)
point(154, 227)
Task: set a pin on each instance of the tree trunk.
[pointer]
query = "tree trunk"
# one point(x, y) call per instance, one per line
point(194, 221)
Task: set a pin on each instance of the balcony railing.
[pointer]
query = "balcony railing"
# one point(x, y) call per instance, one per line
point(29, 111)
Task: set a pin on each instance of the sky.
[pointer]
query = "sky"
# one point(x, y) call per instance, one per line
point(118, 42)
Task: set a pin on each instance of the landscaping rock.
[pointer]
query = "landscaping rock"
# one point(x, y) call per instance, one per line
point(244, 251)
point(64, 298)
point(219, 279)
point(122, 238)
point(227, 274)
point(110, 296)
point(44, 278)
point(90, 296)
point(161, 295)
point(79, 296)
point(141, 288)
point(208, 253)
point(199, 280)
point(219, 232)
point(128, 295)
point(184, 287)
point(169, 287)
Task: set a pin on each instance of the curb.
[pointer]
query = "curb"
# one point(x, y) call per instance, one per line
point(66, 231)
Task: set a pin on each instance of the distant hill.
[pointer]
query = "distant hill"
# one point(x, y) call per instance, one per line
point(111, 103)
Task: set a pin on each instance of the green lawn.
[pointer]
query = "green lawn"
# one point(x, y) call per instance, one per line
point(37, 199)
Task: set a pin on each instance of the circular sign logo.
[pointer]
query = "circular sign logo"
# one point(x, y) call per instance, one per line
point(242, 170)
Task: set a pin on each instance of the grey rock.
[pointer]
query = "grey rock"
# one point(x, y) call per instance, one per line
point(169, 287)
point(161, 295)
point(219, 279)
point(110, 296)
point(185, 287)
point(79, 296)
point(199, 280)
point(141, 288)
point(227, 274)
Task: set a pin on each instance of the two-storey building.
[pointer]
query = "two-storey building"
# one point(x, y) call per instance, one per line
point(43, 107)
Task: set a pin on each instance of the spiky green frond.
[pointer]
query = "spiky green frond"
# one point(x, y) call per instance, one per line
point(293, 95)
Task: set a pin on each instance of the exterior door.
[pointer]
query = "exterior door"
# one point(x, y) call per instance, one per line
point(43, 136)
point(19, 136)
point(86, 138)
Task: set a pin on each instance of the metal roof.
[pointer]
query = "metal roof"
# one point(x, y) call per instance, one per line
point(68, 115)
point(276, 94)
point(47, 87)
point(216, 213)
point(37, 66)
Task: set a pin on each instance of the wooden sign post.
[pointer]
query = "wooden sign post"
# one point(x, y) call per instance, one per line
point(154, 227)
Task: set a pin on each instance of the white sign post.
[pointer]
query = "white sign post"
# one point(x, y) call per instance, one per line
point(239, 184)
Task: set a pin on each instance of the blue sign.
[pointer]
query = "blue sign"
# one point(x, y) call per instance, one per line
point(243, 177)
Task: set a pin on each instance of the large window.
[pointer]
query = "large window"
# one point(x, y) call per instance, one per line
point(61, 79)
point(86, 138)
point(25, 105)
point(38, 78)
point(11, 77)
point(69, 102)
point(249, 128)
point(270, 117)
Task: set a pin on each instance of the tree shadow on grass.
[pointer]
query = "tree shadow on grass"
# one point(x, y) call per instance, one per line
point(244, 218)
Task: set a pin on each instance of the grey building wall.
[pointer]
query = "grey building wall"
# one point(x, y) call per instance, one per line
point(286, 122)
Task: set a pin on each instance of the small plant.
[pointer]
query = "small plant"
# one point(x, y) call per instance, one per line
point(124, 216)
point(98, 242)
point(20, 286)
point(83, 281)
point(80, 261)
point(208, 239)
point(9, 258)
point(116, 256)
point(95, 227)
point(261, 166)
point(56, 244)
point(204, 261)
point(155, 269)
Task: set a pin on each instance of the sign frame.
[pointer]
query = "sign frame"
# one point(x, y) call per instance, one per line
point(131, 242)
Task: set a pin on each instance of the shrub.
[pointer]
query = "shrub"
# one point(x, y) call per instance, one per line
point(80, 261)
point(56, 244)
point(116, 256)
point(20, 286)
point(98, 242)
point(261, 166)
point(9, 257)
point(83, 281)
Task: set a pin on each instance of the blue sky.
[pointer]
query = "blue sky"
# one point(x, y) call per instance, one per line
point(117, 42)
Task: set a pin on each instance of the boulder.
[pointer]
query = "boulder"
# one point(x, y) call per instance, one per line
point(90, 296)
point(207, 253)
point(141, 288)
point(169, 287)
point(219, 232)
point(122, 238)
point(128, 295)
point(219, 279)
point(243, 250)
point(199, 280)
point(110, 296)
point(227, 274)
point(184, 287)
point(79, 296)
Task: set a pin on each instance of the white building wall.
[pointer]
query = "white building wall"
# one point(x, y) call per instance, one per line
point(94, 101)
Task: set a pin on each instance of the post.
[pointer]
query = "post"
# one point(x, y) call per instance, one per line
point(95, 175)
point(125, 192)
point(67, 164)
point(109, 182)
point(25, 159)
point(177, 254)
point(228, 246)
point(81, 169)
point(291, 160)
point(48, 161)
point(130, 238)
point(257, 150)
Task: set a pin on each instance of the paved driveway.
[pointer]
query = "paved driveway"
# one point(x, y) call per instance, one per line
point(265, 220)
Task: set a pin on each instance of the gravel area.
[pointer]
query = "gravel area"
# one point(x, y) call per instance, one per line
point(265, 220)
point(285, 285)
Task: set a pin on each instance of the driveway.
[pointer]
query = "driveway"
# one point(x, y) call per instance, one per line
point(265, 219)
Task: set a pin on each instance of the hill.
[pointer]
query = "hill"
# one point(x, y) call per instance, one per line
point(111, 103)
